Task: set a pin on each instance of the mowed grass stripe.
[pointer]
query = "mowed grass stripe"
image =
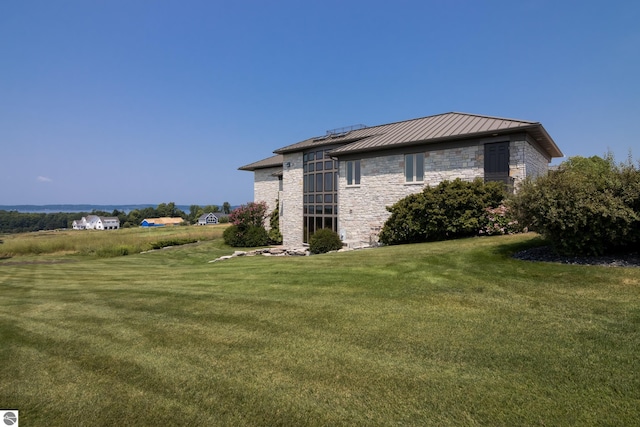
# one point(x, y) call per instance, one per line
point(451, 333)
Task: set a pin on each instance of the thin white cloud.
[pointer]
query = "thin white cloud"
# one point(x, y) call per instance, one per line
point(44, 179)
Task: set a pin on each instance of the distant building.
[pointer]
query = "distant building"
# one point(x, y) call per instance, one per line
point(161, 222)
point(211, 218)
point(94, 222)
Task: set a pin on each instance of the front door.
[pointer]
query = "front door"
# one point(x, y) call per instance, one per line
point(496, 162)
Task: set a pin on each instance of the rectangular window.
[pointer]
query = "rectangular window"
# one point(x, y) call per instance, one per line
point(414, 167)
point(353, 172)
point(319, 182)
point(328, 181)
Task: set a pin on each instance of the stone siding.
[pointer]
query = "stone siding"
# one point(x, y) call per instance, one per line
point(291, 207)
point(525, 160)
point(466, 163)
point(266, 188)
point(536, 162)
point(362, 209)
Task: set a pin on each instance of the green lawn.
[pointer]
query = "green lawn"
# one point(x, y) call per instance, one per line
point(450, 333)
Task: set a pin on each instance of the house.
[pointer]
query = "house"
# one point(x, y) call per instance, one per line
point(211, 218)
point(161, 222)
point(95, 222)
point(345, 179)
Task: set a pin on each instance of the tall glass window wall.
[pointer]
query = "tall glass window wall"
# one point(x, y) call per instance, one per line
point(320, 192)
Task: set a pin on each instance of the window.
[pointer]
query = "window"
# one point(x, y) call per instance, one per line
point(320, 192)
point(414, 167)
point(353, 172)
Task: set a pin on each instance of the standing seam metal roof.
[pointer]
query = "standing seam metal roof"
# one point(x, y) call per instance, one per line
point(427, 129)
point(270, 162)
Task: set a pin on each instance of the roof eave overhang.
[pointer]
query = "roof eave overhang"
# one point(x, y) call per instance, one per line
point(536, 131)
point(540, 135)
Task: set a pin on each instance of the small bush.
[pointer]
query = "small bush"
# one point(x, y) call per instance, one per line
point(500, 221)
point(255, 236)
point(250, 215)
point(275, 237)
point(323, 241)
point(252, 236)
point(232, 236)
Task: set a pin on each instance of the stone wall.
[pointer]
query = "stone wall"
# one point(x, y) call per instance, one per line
point(362, 209)
point(291, 212)
point(266, 188)
point(466, 163)
point(537, 162)
point(525, 160)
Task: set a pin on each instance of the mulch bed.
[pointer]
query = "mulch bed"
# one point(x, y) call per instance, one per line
point(545, 254)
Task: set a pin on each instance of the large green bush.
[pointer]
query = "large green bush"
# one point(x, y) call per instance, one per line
point(452, 209)
point(248, 226)
point(323, 241)
point(588, 206)
point(248, 237)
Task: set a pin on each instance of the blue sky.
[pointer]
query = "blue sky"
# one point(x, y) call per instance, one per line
point(121, 102)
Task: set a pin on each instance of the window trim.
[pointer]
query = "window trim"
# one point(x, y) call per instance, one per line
point(414, 163)
point(353, 173)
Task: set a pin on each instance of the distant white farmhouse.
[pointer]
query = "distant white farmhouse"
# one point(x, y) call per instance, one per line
point(94, 222)
point(211, 218)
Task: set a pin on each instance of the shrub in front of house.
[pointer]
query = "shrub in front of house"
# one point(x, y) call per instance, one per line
point(275, 237)
point(450, 210)
point(323, 241)
point(500, 221)
point(251, 214)
point(245, 237)
point(588, 206)
point(247, 229)
point(232, 236)
point(255, 236)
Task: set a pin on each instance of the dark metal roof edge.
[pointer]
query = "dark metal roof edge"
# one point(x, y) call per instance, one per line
point(269, 162)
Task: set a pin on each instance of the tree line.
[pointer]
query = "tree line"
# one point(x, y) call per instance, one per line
point(19, 222)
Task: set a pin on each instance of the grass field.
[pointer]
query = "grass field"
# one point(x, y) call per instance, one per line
point(101, 243)
point(449, 333)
